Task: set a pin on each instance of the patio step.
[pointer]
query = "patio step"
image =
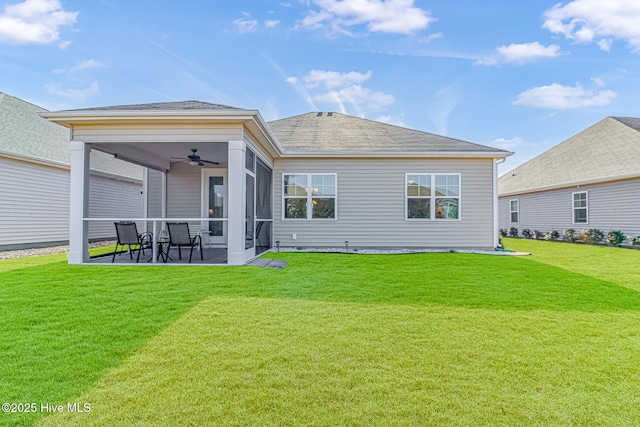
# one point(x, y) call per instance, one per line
point(277, 264)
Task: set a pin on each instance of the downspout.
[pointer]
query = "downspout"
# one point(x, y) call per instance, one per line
point(496, 216)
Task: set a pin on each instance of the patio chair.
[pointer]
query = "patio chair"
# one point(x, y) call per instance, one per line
point(128, 235)
point(179, 236)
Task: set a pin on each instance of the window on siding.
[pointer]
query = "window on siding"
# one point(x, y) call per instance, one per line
point(514, 208)
point(580, 208)
point(432, 196)
point(309, 196)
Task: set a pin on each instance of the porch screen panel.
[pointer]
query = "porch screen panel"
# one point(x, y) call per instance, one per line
point(264, 231)
point(216, 204)
point(249, 230)
point(264, 207)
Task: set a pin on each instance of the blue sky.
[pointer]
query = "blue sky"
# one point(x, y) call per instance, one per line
point(518, 75)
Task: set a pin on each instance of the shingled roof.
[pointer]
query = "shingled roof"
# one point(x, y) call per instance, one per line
point(606, 151)
point(335, 133)
point(24, 134)
point(164, 106)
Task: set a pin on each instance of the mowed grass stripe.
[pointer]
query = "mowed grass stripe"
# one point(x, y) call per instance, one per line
point(256, 361)
point(616, 265)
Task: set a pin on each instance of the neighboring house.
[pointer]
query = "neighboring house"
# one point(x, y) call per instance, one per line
point(314, 180)
point(591, 180)
point(34, 181)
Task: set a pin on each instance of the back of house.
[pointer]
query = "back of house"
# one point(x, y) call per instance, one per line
point(317, 180)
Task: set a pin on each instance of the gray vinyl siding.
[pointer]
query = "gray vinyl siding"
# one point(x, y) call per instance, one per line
point(34, 203)
point(110, 198)
point(611, 206)
point(184, 192)
point(371, 205)
point(154, 194)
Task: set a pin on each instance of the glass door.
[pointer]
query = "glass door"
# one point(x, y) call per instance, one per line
point(214, 205)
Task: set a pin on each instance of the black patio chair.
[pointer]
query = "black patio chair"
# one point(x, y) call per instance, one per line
point(128, 235)
point(179, 236)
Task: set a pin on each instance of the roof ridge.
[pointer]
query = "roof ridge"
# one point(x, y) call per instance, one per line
point(159, 106)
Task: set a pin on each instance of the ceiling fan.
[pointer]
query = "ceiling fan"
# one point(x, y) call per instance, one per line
point(194, 159)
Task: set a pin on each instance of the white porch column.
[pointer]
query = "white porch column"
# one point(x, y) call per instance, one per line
point(496, 213)
point(236, 203)
point(79, 203)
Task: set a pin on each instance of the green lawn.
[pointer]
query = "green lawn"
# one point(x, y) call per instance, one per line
point(425, 339)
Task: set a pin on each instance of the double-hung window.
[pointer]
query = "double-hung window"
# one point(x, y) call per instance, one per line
point(580, 208)
point(309, 196)
point(514, 209)
point(432, 196)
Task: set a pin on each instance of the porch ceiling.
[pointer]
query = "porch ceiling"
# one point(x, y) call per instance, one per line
point(160, 155)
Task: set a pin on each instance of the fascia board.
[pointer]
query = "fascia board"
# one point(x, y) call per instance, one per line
point(68, 119)
point(602, 180)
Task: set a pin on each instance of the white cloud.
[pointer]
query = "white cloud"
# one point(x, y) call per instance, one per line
point(57, 89)
point(392, 120)
point(333, 79)
point(33, 21)
point(605, 44)
point(246, 24)
point(559, 97)
point(379, 16)
point(65, 44)
point(508, 144)
point(432, 37)
point(271, 23)
point(520, 54)
point(84, 65)
point(442, 104)
point(361, 99)
point(586, 21)
point(342, 90)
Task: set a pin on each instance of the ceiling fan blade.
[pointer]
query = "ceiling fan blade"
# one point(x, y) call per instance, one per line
point(209, 161)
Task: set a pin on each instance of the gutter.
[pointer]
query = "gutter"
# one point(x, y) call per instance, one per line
point(66, 166)
point(398, 154)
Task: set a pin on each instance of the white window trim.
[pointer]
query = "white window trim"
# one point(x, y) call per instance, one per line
point(573, 206)
point(432, 198)
point(512, 211)
point(310, 197)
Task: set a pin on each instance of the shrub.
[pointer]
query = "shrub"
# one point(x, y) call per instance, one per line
point(615, 238)
point(568, 235)
point(513, 232)
point(503, 232)
point(526, 233)
point(552, 235)
point(635, 241)
point(537, 234)
point(591, 236)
